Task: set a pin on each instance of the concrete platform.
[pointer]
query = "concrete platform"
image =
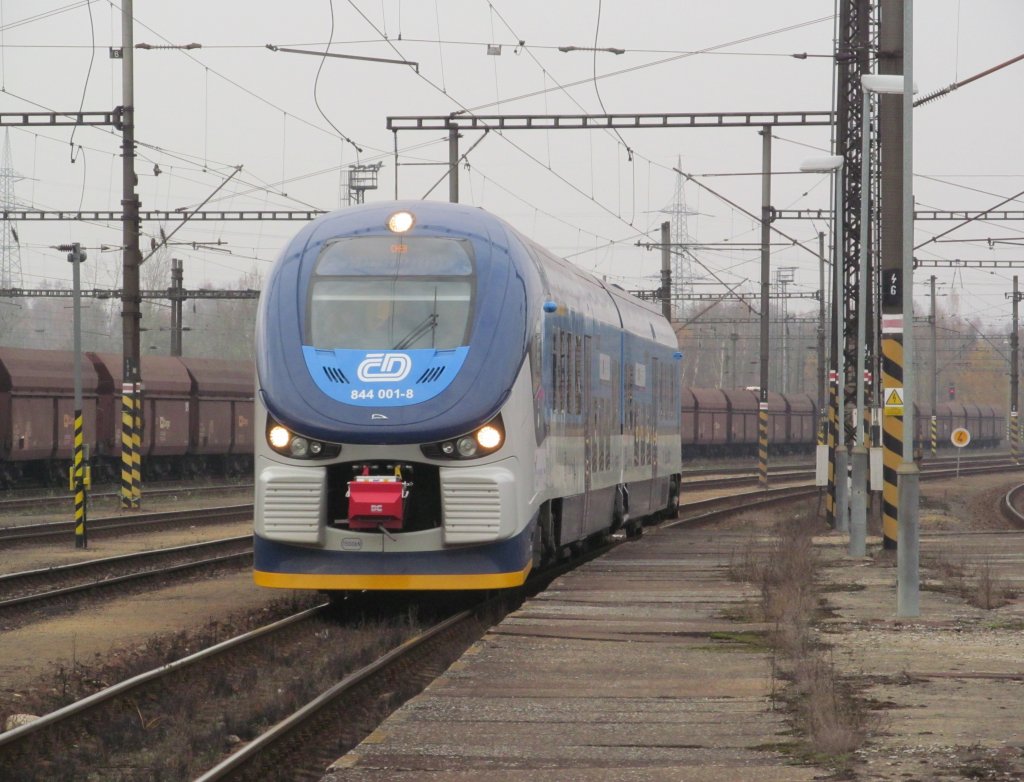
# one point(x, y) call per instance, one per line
point(628, 668)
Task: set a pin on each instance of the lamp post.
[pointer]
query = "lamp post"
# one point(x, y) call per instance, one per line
point(833, 164)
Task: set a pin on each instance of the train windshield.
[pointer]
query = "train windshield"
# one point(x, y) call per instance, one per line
point(374, 293)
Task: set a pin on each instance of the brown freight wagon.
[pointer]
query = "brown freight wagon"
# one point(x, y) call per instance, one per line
point(37, 414)
point(222, 423)
point(166, 411)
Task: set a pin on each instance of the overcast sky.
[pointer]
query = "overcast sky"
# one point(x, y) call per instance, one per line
point(294, 122)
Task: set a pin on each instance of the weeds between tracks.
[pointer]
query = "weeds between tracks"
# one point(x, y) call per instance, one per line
point(827, 716)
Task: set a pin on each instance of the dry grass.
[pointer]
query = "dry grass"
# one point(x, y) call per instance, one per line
point(977, 584)
point(826, 714)
point(177, 729)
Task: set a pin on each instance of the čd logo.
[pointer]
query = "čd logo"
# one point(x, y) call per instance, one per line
point(378, 367)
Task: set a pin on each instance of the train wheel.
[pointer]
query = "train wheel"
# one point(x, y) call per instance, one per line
point(672, 509)
point(620, 510)
point(546, 535)
point(538, 546)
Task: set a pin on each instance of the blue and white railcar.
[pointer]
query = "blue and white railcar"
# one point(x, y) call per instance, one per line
point(447, 405)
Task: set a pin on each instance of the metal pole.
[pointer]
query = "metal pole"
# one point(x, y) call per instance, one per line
point(78, 479)
point(908, 542)
point(842, 510)
point(822, 369)
point(735, 377)
point(453, 164)
point(131, 299)
point(859, 495)
point(177, 277)
point(893, 396)
point(933, 429)
point(766, 201)
point(1014, 380)
point(666, 270)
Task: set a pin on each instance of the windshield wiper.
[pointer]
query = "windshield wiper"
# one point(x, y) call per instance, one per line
point(429, 323)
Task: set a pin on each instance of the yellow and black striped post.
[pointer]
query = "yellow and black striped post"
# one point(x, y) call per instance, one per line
point(934, 431)
point(78, 484)
point(762, 444)
point(137, 450)
point(127, 438)
point(892, 426)
point(1014, 436)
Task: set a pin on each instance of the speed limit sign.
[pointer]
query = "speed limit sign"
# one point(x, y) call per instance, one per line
point(960, 437)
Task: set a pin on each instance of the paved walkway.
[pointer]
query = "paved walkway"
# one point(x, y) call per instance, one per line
point(631, 669)
point(625, 669)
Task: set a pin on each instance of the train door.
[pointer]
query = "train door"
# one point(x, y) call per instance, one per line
point(655, 414)
point(585, 378)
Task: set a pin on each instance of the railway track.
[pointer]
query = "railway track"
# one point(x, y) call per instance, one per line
point(43, 587)
point(107, 525)
point(302, 741)
point(1013, 506)
point(13, 502)
point(295, 749)
point(73, 722)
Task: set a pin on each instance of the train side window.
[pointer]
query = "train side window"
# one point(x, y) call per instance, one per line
point(562, 369)
point(580, 368)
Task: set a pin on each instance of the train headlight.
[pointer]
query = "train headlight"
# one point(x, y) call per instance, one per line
point(287, 443)
point(488, 437)
point(466, 447)
point(400, 222)
point(279, 437)
point(482, 441)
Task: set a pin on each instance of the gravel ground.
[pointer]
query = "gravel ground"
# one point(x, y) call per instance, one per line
point(943, 690)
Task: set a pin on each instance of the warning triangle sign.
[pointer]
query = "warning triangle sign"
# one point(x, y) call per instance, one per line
point(894, 397)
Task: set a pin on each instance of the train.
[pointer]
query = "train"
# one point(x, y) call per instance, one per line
point(443, 404)
point(723, 422)
point(197, 416)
